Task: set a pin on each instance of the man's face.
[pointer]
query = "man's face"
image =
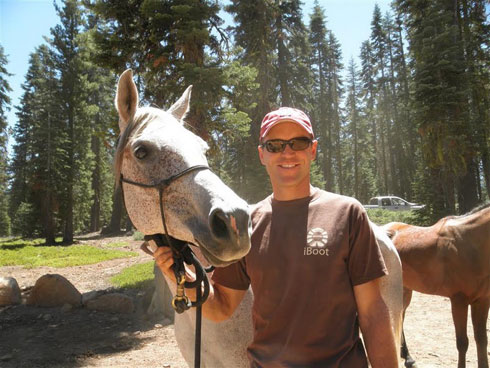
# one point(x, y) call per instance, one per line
point(288, 170)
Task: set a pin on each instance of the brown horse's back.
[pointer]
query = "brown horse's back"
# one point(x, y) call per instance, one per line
point(452, 259)
point(452, 256)
point(469, 236)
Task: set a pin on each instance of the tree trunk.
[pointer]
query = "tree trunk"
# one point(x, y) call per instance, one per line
point(48, 220)
point(68, 233)
point(117, 210)
point(96, 184)
point(282, 64)
point(467, 193)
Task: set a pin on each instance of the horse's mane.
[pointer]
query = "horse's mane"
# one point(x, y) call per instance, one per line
point(139, 119)
point(478, 209)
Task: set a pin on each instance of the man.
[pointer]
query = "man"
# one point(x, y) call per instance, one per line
point(314, 265)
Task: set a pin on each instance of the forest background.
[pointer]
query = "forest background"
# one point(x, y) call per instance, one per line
point(412, 119)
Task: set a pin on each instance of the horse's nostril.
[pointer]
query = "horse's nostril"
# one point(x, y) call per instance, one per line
point(219, 224)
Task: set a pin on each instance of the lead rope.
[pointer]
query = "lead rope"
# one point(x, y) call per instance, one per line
point(181, 253)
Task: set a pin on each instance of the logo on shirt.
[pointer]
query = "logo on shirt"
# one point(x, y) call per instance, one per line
point(316, 239)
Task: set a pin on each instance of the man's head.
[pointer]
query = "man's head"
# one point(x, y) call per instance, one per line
point(282, 115)
point(286, 150)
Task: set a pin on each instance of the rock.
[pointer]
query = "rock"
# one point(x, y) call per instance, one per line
point(66, 308)
point(54, 290)
point(6, 357)
point(9, 291)
point(90, 295)
point(113, 302)
point(161, 303)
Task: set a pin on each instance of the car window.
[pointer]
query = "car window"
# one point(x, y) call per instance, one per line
point(385, 202)
point(373, 201)
point(397, 202)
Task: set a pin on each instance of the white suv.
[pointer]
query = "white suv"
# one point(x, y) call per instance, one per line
point(392, 203)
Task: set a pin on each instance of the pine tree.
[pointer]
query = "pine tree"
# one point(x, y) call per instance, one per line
point(325, 62)
point(97, 108)
point(47, 144)
point(405, 123)
point(291, 44)
point(18, 166)
point(476, 34)
point(38, 156)
point(369, 92)
point(233, 137)
point(4, 107)
point(442, 102)
point(357, 150)
point(318, 64)
point(378, 44)
point(67, 44)
point(253, 35)
point(170, 45)
point(334, 114)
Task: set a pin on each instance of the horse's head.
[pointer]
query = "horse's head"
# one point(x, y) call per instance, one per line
point(198, 207)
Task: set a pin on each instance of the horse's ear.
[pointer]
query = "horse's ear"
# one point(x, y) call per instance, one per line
point(181, 107)
point(126, 98)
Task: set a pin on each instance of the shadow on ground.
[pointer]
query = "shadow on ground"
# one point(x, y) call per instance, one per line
point(50, 337)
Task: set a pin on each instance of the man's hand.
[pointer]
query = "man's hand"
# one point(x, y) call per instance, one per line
point(221, 302)
point(164, 260)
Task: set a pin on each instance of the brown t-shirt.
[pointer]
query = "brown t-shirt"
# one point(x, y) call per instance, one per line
point(306, 256)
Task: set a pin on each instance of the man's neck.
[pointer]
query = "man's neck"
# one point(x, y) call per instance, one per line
point(288, 194)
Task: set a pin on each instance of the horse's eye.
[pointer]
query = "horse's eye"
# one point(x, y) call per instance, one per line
point(140, 152)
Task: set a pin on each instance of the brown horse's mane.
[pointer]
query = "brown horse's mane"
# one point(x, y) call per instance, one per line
point(477, 209)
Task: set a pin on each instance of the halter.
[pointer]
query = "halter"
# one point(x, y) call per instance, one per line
point(181, 253)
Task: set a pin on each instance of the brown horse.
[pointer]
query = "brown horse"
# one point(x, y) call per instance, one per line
point(450, 258)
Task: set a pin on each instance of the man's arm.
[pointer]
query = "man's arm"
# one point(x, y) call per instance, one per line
point(222, 301)
point(375, 323)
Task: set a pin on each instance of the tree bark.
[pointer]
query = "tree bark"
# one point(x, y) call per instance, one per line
point(117, 210)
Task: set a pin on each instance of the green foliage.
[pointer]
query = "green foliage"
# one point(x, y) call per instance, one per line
point(25, 221)
point(22, 253)
point(316, 177)
point(4, 217)
point(4, 107)
point(443, 59)
point(17, 242)
point(138, 236)
point(139, 276)
point(382, 217)
point(120, 244)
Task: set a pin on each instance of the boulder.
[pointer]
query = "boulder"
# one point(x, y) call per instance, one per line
point(52, 290)
point(161, 302)
point(90, 295)
point(9, 291)
point(113, 302)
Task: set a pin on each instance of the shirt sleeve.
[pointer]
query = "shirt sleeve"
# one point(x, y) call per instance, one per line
point(365, 259)
point(233, 276)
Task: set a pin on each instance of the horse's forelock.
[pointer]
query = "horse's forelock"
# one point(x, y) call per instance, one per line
point(140, 119)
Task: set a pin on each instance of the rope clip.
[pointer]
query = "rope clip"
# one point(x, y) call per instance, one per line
point(181, 302)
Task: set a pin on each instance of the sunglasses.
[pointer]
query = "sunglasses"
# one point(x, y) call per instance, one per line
point(279, 145)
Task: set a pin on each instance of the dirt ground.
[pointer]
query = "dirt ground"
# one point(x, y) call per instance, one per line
point(52, 337)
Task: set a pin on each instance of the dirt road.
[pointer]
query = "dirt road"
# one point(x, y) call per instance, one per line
point(51, 337)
